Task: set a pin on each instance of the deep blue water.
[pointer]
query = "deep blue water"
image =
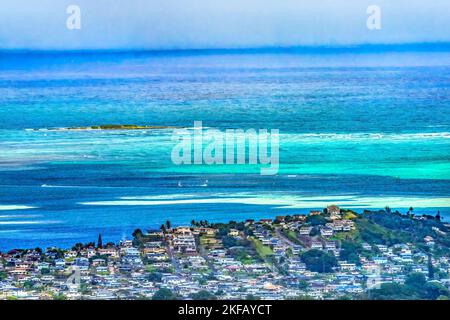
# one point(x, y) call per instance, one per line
point(365, 129)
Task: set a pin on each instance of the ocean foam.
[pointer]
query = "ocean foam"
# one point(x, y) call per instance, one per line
point(290, 202)
point(364, 136)
point(29, 222)
point(15, 207)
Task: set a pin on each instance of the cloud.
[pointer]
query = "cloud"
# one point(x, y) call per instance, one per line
point(187, 24)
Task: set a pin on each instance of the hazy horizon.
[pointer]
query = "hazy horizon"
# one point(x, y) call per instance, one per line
point(232, 24)
point(311, 49)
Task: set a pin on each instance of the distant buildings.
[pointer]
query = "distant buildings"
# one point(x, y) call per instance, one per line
point(263, 258)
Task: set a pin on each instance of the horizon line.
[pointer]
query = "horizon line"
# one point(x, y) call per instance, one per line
point(341, 48)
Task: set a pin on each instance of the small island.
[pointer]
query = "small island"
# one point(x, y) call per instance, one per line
point(111, 127)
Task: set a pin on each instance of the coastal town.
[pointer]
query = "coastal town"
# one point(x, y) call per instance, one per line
point(332, 253)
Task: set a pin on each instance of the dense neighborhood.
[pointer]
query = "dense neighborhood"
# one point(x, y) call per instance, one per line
point(324, 254)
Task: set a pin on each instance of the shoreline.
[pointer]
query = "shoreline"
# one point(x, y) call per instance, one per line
point(422, 216)
point(328, 254)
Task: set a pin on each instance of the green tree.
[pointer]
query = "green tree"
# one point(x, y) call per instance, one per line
point(137, 233)
point(391, 291)
point(164, 294)
point(203, 295)
point(303, 284)
point(349, 252)
point(434, 290)
point(77, 247)
point(319, 261)
point(430, 268)
point(416, 281)
point(316, 220)
point(28, 285)
point(154, 277)
point(59, 297)
point(229, 242)
point(314, 232)
point(438, 216)
point(99, 241)
point(138, 237)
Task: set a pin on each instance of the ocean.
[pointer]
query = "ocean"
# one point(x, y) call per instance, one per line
point(360, 129)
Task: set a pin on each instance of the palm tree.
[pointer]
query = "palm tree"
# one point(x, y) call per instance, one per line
point(137, 233)
point(168, 224)
point(430, 267)
point(99, 242)
point(438, 216)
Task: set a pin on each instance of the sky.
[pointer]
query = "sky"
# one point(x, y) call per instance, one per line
point(206, 24)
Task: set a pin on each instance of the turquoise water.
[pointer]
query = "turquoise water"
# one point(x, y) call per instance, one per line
point(362, 130)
